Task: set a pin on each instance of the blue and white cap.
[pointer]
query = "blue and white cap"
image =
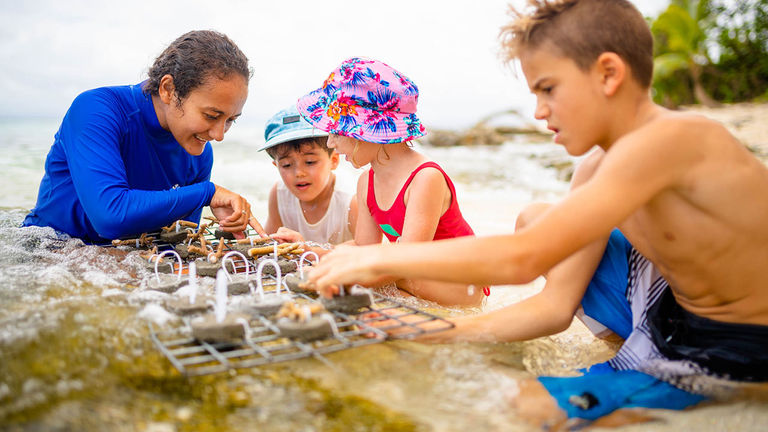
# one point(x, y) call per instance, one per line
point(288, 125)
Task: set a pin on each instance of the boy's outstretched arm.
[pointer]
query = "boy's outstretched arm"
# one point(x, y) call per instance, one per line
point(549, 311)
point(504, 259)
point(634, 171)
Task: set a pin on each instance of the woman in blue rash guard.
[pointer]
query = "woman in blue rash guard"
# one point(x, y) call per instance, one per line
point(131, 159)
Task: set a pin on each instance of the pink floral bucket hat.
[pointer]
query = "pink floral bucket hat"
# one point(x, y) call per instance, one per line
point(365, 99)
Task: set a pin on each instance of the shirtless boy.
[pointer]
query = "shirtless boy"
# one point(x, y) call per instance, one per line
point(687, 196)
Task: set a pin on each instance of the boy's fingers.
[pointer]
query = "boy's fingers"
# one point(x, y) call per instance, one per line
point(328, 291)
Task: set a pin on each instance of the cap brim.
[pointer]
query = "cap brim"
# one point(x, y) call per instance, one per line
point(398, 127)
point(293, 135)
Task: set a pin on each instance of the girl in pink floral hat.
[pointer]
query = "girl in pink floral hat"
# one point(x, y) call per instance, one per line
point(369, 111)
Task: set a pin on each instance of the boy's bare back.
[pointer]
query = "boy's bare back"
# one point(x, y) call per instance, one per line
point(705, 224)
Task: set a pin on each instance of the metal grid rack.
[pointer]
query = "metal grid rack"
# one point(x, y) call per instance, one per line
point(239, 265)
point(385, 319)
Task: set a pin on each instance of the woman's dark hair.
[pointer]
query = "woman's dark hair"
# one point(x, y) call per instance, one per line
point(193, 58)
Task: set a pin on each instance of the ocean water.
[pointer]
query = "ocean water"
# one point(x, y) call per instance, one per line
point(75, 352)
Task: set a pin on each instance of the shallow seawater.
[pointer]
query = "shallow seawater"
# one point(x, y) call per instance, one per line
point(76, 354)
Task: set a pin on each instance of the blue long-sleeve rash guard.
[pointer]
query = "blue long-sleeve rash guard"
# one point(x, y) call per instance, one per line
point(113, 171)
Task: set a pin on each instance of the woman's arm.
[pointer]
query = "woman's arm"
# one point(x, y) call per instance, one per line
point(90, 135)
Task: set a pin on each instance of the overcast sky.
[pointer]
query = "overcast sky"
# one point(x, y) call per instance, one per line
point(52, 50)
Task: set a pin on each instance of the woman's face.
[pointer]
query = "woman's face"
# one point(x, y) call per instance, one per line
point(205, 114)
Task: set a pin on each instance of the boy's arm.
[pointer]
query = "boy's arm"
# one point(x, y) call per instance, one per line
point(287, 235)
point(366, 231)
point(636, 169)
point(273, 218)
point(547, 312)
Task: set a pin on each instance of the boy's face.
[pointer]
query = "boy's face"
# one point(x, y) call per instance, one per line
point(306, 172)
point(568, 98)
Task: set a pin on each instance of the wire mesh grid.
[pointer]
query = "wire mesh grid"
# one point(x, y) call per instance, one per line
point(385, 318)
point(234, 264)
point(263, 344)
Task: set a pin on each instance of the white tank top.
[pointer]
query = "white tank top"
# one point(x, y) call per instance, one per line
point(332, 228)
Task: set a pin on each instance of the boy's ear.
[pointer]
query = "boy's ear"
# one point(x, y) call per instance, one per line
point(334, 160)
point(612, 71)
point(274, 163)
point(166, 89)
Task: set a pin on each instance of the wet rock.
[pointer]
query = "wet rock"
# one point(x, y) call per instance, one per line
point(182, 250)
point(245, 247)
point(182, 306)
point(318, 327)
point(208, 329)
point(205, 268)
point(239, 284)
point(286, 266)
point(226, 235)
point(242, 248)
point(174, 237)
point(348, 304)
point(166, 285)
point(266, 308)
point(297, 284)
point(165, 266)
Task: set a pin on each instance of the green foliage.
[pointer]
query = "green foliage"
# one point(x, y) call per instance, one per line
point(689, 34)
point(742, 70)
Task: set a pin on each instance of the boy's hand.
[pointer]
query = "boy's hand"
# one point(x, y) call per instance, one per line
point(287, 235)
point(345, 265)
point(234, 213)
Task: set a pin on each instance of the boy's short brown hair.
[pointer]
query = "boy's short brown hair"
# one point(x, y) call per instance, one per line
point(581, 30)
point(281, 150)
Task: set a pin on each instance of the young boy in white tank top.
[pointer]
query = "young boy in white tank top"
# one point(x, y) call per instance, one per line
point(305, 206)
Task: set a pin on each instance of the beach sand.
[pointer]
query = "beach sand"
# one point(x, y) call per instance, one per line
point(747, 121)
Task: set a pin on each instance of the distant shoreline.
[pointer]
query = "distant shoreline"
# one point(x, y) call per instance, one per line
point(747, 121)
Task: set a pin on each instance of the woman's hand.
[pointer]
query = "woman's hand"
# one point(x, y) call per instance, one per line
point(234, 213)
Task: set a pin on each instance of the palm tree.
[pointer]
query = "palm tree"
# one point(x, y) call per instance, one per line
point(681, 42)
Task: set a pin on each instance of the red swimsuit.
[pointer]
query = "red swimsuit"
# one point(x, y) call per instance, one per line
point(451, 224)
